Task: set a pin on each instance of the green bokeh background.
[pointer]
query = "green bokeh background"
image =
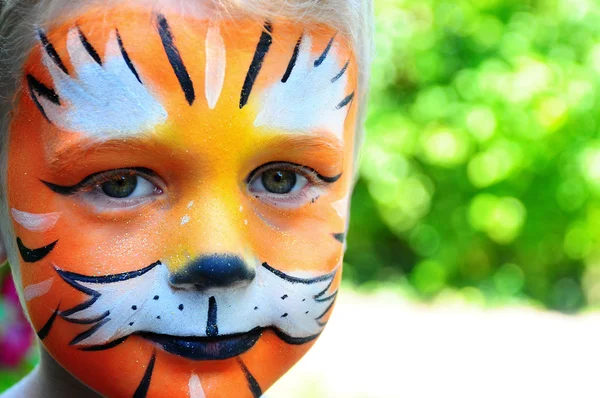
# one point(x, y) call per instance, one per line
point(480, 174)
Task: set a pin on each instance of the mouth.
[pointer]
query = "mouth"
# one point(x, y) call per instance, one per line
point(205, 348)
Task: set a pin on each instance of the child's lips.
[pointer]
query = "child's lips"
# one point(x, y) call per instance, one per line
point(205, 348)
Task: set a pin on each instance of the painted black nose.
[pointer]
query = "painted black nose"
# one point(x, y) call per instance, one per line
point(216, 270)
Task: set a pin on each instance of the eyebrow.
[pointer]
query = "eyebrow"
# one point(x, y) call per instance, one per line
point(76, 152)
point(329, 148)
point(315, 141)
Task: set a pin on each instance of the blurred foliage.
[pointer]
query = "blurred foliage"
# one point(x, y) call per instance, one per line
point(481, 167)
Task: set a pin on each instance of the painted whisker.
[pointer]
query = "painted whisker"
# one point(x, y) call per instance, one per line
point(144, 385)
point(142, 302)
point(252, 383)
point(45, 330)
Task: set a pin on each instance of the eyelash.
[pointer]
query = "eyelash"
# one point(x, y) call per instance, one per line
point(96, 179)
point(309, 193)
point(90, 186)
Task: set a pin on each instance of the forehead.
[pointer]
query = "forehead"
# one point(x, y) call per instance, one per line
point(132, 73)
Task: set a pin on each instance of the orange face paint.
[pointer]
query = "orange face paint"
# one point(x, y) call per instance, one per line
point(179, 194)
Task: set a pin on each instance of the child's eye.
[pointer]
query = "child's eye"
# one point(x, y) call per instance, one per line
point(127, 186)
point(280, 181)
point(287, 185)
point(115, 189)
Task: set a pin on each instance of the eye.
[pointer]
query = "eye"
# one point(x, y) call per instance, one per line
point(125, 186)
point(280, 181)
point(115, 189)
point(287, 185)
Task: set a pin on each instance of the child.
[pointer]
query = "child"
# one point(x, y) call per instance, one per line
point(176, 186)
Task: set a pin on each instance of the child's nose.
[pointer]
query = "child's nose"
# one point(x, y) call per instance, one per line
point(212, 248)
point(214, 270)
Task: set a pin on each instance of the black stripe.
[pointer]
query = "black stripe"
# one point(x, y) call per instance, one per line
point(336, 77)
point(345, 101)
point(35, 86)
point(45, 330)
point(293, 279)
point(324, 290)
point(126, 57)
point(73, 279)
point(106, 346)
point(61, 189)
point(294, 340)
point(164, 30)
point(292, 62)
point(142, 389)
point(88, 47)
point(34, 255)
point(82, 306)
point(339, 237)
point(252, 383)
point(330, 179)
point(51, 51)
point(262, 48)
point(73, 189)
point(71, 276)
point(330, 297)
point(37, 104)
point(326, 310)
point(43, 90)
point(87, 321)
point(320, 60)
point(82, 336)
point(287, 165)
point(212, 329)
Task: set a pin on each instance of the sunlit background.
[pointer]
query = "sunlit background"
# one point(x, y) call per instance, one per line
point(476, 219)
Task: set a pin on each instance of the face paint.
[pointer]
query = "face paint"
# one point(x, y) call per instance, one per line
point(179, 192)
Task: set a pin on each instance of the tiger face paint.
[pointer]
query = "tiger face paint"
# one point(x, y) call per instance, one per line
point(179, 191)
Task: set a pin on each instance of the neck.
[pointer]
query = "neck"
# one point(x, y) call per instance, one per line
point(49, 380)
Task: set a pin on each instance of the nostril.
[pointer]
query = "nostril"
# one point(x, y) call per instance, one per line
point(215, 270)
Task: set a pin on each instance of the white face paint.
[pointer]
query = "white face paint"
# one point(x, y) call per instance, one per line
point(144, 301)
point(313, 96)
point(101, 98)
point(35, 222)
point(38, 290)
point(196, 390)
point(215, 65)
point(341, 206)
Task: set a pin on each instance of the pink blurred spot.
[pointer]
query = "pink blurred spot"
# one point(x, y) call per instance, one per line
point(8, 291)
point(14, 344)
point(17, 338)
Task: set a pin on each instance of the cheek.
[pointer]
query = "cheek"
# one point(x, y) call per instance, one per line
point(309, 239)
point(96, 247)
point(309, 242)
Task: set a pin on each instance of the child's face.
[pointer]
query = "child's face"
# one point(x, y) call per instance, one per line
point(179, 191)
